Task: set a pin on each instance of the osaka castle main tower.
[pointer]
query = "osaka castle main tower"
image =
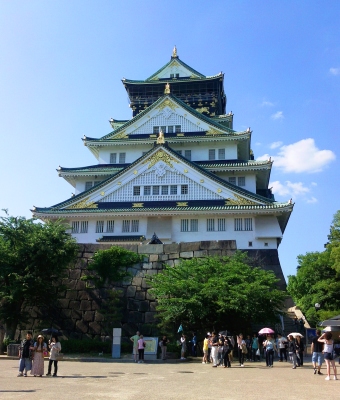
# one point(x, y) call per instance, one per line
point(177, 171)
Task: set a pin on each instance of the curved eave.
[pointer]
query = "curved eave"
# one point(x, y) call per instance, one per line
point(157, 81)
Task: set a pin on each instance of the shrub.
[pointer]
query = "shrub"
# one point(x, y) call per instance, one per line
point(85, 346)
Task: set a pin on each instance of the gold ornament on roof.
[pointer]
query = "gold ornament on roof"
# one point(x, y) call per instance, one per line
point(137, 205)
point(182, 204)
point(202, 109)
point(240, 201)
point(83, 204)
point(174, 52)
point(167, 103)
point(121, 135)
point(160, 139)
point(161, 155)
point(212, 131)
point(167, 88)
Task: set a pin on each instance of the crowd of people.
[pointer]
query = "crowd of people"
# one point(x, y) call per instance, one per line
point(32, 353)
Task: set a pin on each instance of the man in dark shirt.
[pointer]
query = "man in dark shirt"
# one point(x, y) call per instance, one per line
point(25, 354)
point(317, 356)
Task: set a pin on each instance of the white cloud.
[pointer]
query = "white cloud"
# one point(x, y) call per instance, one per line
point(265, 157)
point(314, 184)
point(334, 71)
point(303, 156)
point(289, 189)
point(312, 200)
point(267, 104)
point(275, 145)
point(278, 115)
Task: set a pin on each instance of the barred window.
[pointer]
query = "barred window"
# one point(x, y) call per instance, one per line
point(248, 224)
point(170, 129)
point(122, 157)
point(221, 224)
point(178, 128)
point(238, 224)
point(155, 190)
point(194, 225)
point(99, 226)
point(126, 225)
point(165, 190)
point(211, 154)
point(84, 226)
point(187, 154)
point(136, 190)
point(147, 190)
point(184, 225)
point(135, 225)
point(88, 185)
point(210, 224)
point(232, 179)
point(241, 181)
point(184, 189)
point(173, 189)
point(113, 158)
point(155, 130)
point(163, 128)
point(110, 226)
point(75, 226)
point(221, 154)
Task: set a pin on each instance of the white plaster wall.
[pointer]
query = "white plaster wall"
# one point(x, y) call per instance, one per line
point(267, 227)
point(250, 179)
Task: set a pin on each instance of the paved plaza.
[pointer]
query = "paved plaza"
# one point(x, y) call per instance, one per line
point(167, 381)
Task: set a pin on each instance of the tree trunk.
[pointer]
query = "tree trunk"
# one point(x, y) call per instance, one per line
point(2, 337)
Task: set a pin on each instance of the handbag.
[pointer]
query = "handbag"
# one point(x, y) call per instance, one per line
point(244, 349)
point(258, 352)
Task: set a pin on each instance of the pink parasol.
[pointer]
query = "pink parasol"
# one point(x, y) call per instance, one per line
point(263, 331)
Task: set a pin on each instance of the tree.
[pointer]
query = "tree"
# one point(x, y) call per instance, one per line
point(317, 279)
point(216, 293)
point(33, 258)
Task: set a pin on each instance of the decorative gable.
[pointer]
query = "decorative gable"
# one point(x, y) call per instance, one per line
point(175, 69)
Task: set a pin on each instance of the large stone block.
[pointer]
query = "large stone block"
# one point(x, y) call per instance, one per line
point(81, 285)
point(81, 326)
point(186, 254)
point(143, 306)
point(153, 257)
point(71, 294)
point(69, 283)
point(88, 316)
point(98, 316)
point(170, 263)
point(140, 295)
point(173, 256)
point(137, 281)
point(200, 253)
point(145, 284)
point(151, 272)
point(227, 244)
point(163, 257)
point(94, 327)
point(136, 317)
point(153, 305)
point(189, 246)
point(149, 296)
point(150, 249)
point(130, 247)
point(131, 291)
point(74, 273)
point(171, 248)
point(147, 265)
point(84, 295)
point(85, 305)
point(209, 245)
point(95, 305)
point(156, 265)
point(150, 317)
point(67, 313)
point(88, 255)
point(64, 303)
point(215, 253)
point(76, 314)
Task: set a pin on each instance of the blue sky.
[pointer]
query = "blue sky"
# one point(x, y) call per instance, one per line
point(61, 65)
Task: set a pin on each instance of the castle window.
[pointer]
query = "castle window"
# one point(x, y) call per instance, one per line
point(173, 189)
point(184, 225)
point(75, 226)
point(221, 224)
point(155, 190)
point(135, 225)
point(221, 154)
point(99, 226)
point(155, 130)
point(84, 226)
point(165, 190)
point(187, 226)
point(241, 181)
point(194, 225)
point(147, 190)
point(88, 185)
point(265, 244)
point(211, 154)
point(184, 189)
point(113, 158)
point(136, 190)
point(110, 226)
point(177, 75)
point(248, 224)
point(126, 225)
point(187, 154)
point(172, 75)
point(178, 128)
point(232, 179)
point(210, 224)
point(170, 129)
point(250, 244)
point(238, 224)
point(122, 157)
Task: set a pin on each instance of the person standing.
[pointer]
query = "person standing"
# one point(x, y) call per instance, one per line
point(300, 347)
point(194, 345)
point(292, 350)
point(214, 348)
point(282, 345)
point(317, 349)
point(25, 354)
point(184, 346)
point(205, 349)
point(270, 346)
point(227, 350)
point(249, 351)
point(134, 339)
point(254, 347)
point(164, 344)
point(55, 349)
point(326, 339)
point(242, 348)
point(38, 358)
point(141, 348)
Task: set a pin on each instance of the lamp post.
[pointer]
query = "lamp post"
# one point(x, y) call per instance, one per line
point(317, 307)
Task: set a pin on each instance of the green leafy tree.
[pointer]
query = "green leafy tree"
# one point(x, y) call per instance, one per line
point(108, 267)
point(33, 258)
point(334, 242)
point(216, 293)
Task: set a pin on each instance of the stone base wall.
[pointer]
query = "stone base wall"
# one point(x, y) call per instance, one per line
point(78, 313)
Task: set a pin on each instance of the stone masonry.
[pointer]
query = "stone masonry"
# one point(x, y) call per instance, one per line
point(78, 313)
